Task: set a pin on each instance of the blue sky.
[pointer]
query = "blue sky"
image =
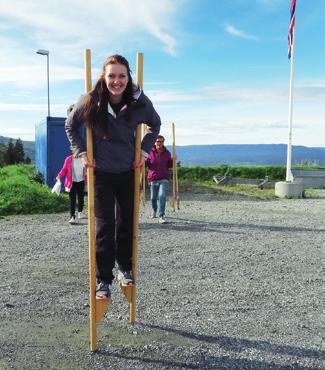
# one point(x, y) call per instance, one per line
point(217, 68)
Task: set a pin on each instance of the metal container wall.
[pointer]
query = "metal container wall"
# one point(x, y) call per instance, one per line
point(51, 148)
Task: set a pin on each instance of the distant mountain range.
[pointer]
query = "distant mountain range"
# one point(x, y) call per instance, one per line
point(234, 154)
point(247, 154)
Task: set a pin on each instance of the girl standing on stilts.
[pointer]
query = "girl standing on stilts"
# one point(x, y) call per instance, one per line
point(113, 109)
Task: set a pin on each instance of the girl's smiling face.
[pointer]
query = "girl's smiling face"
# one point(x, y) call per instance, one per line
point(116, 78)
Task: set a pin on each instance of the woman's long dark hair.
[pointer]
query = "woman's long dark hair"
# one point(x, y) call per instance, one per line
point(95, 107)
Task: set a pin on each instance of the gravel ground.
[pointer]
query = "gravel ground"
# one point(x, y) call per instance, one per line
point(228, 283)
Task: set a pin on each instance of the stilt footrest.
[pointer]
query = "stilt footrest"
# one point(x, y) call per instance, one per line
point(127, 291)
point(101, 307)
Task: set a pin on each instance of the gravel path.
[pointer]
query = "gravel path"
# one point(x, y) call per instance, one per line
point(228, 283)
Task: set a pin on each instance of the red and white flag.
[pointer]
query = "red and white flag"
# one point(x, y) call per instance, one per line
point(291, 26)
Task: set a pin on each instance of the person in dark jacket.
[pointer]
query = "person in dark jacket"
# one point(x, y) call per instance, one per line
point(113, 109)
point(159, 162)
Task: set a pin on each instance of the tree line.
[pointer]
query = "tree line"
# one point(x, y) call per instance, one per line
point(13, 153)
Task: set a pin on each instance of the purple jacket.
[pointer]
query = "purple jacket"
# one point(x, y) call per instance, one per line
point(158, 164)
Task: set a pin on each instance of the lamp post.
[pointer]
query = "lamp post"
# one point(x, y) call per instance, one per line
point(47, 53)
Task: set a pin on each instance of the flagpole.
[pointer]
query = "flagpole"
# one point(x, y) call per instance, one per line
point(290, 188)
point(289, 176)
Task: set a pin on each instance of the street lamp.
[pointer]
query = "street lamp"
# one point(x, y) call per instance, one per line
point(47, 53)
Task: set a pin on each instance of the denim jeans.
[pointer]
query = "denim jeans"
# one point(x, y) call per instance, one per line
point(158, 190)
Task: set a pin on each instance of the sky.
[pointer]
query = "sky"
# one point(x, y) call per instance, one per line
point(218, 69)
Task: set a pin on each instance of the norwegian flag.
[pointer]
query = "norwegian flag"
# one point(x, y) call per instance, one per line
point(291, 26)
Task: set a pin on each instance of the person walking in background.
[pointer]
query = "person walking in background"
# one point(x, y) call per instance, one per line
point(158, 163)
point(74, 172)
point(113, 109)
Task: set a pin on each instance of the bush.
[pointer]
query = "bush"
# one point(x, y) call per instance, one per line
point(195, 174)
point(20, 195)
point(38, 177)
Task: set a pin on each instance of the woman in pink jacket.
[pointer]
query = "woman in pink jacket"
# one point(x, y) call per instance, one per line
point(74, 172)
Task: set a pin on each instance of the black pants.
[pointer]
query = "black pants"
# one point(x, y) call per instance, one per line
point(78, 188)
point(114, 222)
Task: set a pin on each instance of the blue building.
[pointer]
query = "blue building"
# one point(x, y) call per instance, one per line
point(51, 148)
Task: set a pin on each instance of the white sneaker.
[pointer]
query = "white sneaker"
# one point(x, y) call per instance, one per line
point(103, 290)
point(162, 220)
point(80, 215)
point(72, 220)
point(153, 214)
point(125, 278)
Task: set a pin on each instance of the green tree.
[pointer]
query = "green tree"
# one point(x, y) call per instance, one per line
point(10, 154)
point(3, 150)
point(19, 151)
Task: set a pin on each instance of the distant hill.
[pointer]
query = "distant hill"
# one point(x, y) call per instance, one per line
point(247, 154)
point(234, 154)
point(29, 146)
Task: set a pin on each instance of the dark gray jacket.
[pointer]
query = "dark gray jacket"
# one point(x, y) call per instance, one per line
point(114, 152)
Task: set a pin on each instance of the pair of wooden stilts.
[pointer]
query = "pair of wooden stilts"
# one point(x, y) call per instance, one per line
point(98, 307)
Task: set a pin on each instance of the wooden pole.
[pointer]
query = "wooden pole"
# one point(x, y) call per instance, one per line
point(143, 176)
point(91, 223)
point(175, 176)
point(174, 166)
point(130, 291)
point(137, 174)
point(97, 306)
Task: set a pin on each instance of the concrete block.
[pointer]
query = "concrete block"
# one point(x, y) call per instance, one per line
point(285, 189)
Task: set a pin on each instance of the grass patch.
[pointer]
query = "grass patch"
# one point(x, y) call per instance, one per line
point(313, 193)
point(20, 193)
point(228, 189)
point(205, 173)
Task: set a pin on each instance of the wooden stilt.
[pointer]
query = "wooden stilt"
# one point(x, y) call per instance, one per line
point(130, 291)
point(176, 200)
point(98, 307)
point(143, 176)
point(101, 308)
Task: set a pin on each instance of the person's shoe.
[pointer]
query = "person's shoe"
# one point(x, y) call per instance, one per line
point(125, 278)
point(153, 214)
point(80, 215)
point(72, 220)
point(103, 290)
point(162, 220)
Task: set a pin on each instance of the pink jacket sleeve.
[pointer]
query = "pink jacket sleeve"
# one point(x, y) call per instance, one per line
point(64, 169)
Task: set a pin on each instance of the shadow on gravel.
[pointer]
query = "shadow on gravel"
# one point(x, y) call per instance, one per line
point(190, 226)
point(239, 345)
point(205, 362)
point(143, 360)
point(195, 226)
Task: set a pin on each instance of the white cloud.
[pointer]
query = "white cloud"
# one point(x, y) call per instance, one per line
point(69, 25)
point(28, 76)
point(227, 94)
point(13, 107)
point(232, 30)
point(171, 96)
